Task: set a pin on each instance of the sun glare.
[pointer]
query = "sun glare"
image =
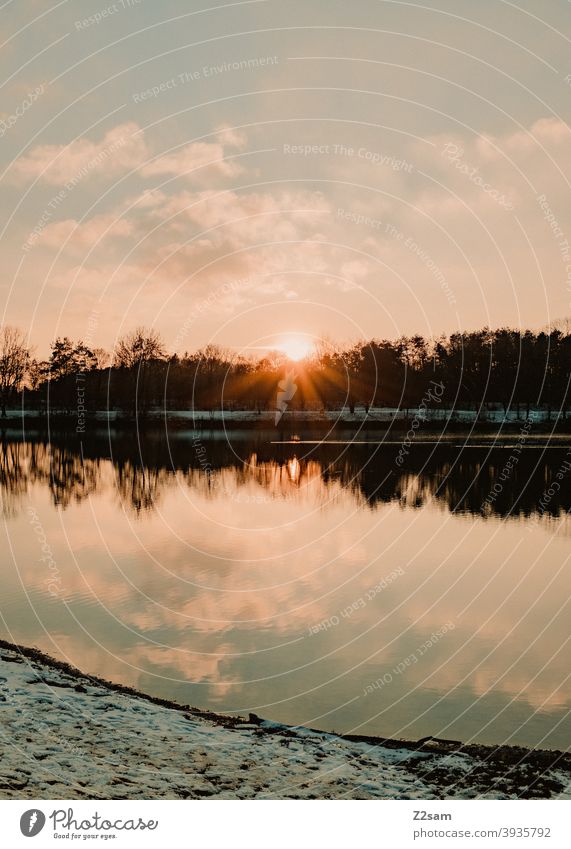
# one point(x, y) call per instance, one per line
point(295, 346)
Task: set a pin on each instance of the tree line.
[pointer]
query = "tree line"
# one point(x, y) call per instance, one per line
point(505, 368)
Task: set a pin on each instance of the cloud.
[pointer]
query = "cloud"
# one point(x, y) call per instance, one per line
point(547, 131)
point(229, 137)
point(120, 149)
point(198, 161)
point(433, 230)
point(82, 236)
point(123, 149)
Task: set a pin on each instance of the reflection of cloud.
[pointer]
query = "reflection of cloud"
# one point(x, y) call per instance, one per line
point(253, 557)
point(129, 665)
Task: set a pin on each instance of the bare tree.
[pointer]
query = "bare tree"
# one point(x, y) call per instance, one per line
point(14, 359)
point(141, 353)
point(138, 347)
point(102, 357)
point(37, 373)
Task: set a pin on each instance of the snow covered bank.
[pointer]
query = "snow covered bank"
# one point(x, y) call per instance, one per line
point(67, 735)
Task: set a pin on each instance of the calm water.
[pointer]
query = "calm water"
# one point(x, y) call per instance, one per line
point(319, 585)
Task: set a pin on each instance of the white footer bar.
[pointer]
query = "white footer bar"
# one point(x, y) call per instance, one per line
point(287, 824)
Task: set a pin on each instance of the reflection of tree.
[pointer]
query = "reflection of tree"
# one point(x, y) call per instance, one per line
point(62, 470)
point(266, 480)
point(13, 476)
point(139, 487)
point(459, 480)
point(71, 477)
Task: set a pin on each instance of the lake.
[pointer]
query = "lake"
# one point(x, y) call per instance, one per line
point(328, 585)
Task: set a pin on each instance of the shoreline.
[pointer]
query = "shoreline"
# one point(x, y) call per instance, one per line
point(378, 421)
point(201, 754)
point(454, 435)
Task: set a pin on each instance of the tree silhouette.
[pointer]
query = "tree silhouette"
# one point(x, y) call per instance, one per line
point(14, 360)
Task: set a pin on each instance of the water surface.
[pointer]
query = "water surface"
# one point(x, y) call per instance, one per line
point(317, 585)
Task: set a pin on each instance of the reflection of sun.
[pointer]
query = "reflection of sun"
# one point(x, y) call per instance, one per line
point(295, 346)
point(293, 469)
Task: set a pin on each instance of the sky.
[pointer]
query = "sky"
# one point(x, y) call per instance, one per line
point(228, 173)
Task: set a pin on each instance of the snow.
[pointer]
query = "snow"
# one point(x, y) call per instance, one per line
point(67, 735)
point(383, 414)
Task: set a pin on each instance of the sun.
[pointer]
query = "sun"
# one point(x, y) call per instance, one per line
point(296, 346)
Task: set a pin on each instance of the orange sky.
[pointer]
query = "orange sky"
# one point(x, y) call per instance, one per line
point(233, 174)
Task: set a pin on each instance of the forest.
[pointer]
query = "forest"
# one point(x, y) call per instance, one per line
point(506, 369)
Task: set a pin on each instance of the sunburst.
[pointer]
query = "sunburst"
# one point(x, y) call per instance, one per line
point(296, 346)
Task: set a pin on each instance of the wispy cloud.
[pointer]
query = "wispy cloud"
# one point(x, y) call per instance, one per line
point(121, 148)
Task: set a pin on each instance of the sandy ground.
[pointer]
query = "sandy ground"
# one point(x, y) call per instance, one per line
point(67, 735)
